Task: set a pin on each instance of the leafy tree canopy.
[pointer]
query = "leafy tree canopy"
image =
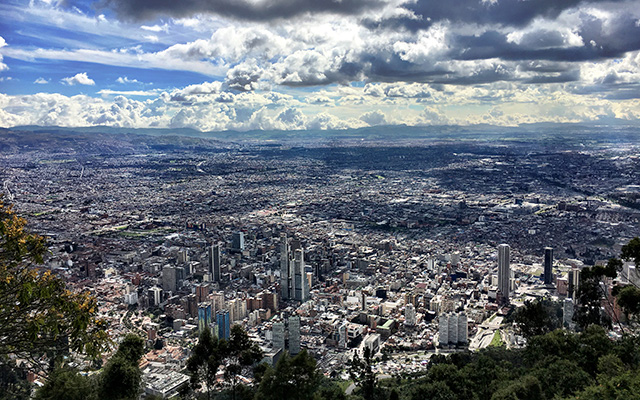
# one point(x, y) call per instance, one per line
point(38, 315)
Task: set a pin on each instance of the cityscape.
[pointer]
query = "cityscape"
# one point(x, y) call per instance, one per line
point(331, 248)
point(319, 200)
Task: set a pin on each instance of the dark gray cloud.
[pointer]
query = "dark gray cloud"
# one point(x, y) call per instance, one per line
point(620, 36)
point(265, 10)
point(516, 13)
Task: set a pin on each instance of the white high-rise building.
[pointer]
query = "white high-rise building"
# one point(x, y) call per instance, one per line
point(453, 328)
point(300, 282)
point(443, 328)
point(463, 328)
point(343, 339)
point(285, 267)
point(504, 271)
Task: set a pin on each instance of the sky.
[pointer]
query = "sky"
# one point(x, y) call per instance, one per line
point(216, 65)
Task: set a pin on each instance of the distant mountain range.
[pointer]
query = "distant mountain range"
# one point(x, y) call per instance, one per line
point(377, 133)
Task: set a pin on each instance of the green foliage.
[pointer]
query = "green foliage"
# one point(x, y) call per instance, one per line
point(13, 381)
point(204, 362)
point(629, 300)
point(38, 315)
point(433, 391)
point(361, 372)
point(631, 251)
point(590, 296)
point(294, 378)
point(121, 377)
point(66, 383)
point(238, 355)
point(554, 366)
point(537, 318)
point(496, 341)
point(525, 388)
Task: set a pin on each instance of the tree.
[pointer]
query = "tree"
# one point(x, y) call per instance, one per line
point(629, 300)
point(38, 315)
point(121, 377)
point(361, 372)
point(66, 383)
point(296, 378)
point(536, 318)
point(631, 251)
point(237, 355)
point(204, 362)
point(526, 388)
point(590, 295)
point(13, 381)
point(240, 354)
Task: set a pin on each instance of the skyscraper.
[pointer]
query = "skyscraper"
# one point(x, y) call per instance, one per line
point(214, 262)
point(238, 241)
point(224, 324)
point(169, 278)
point(463, 328)
point(443, 329)
point(504, 271)
point(453, 328)
point(155, 296)
point(294, 335)
point(277, 332)
point(285, 276)
point(300, 282)
point(548, 265)
point(204, 316)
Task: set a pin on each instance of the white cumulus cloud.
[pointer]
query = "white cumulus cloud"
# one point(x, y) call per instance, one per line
point(80, 78)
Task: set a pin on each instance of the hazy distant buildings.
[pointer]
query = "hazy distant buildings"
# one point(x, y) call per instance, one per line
point(548, 265)
point(504, 272)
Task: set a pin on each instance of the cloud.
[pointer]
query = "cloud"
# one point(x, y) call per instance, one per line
point(129, 57)
point(146, 93)
point(373, 118)
point(80, 78)
point(244, 76)
point(41, 81)
point(156, 28)
point(265, 10)
point(124, 79)
point(3, 66)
